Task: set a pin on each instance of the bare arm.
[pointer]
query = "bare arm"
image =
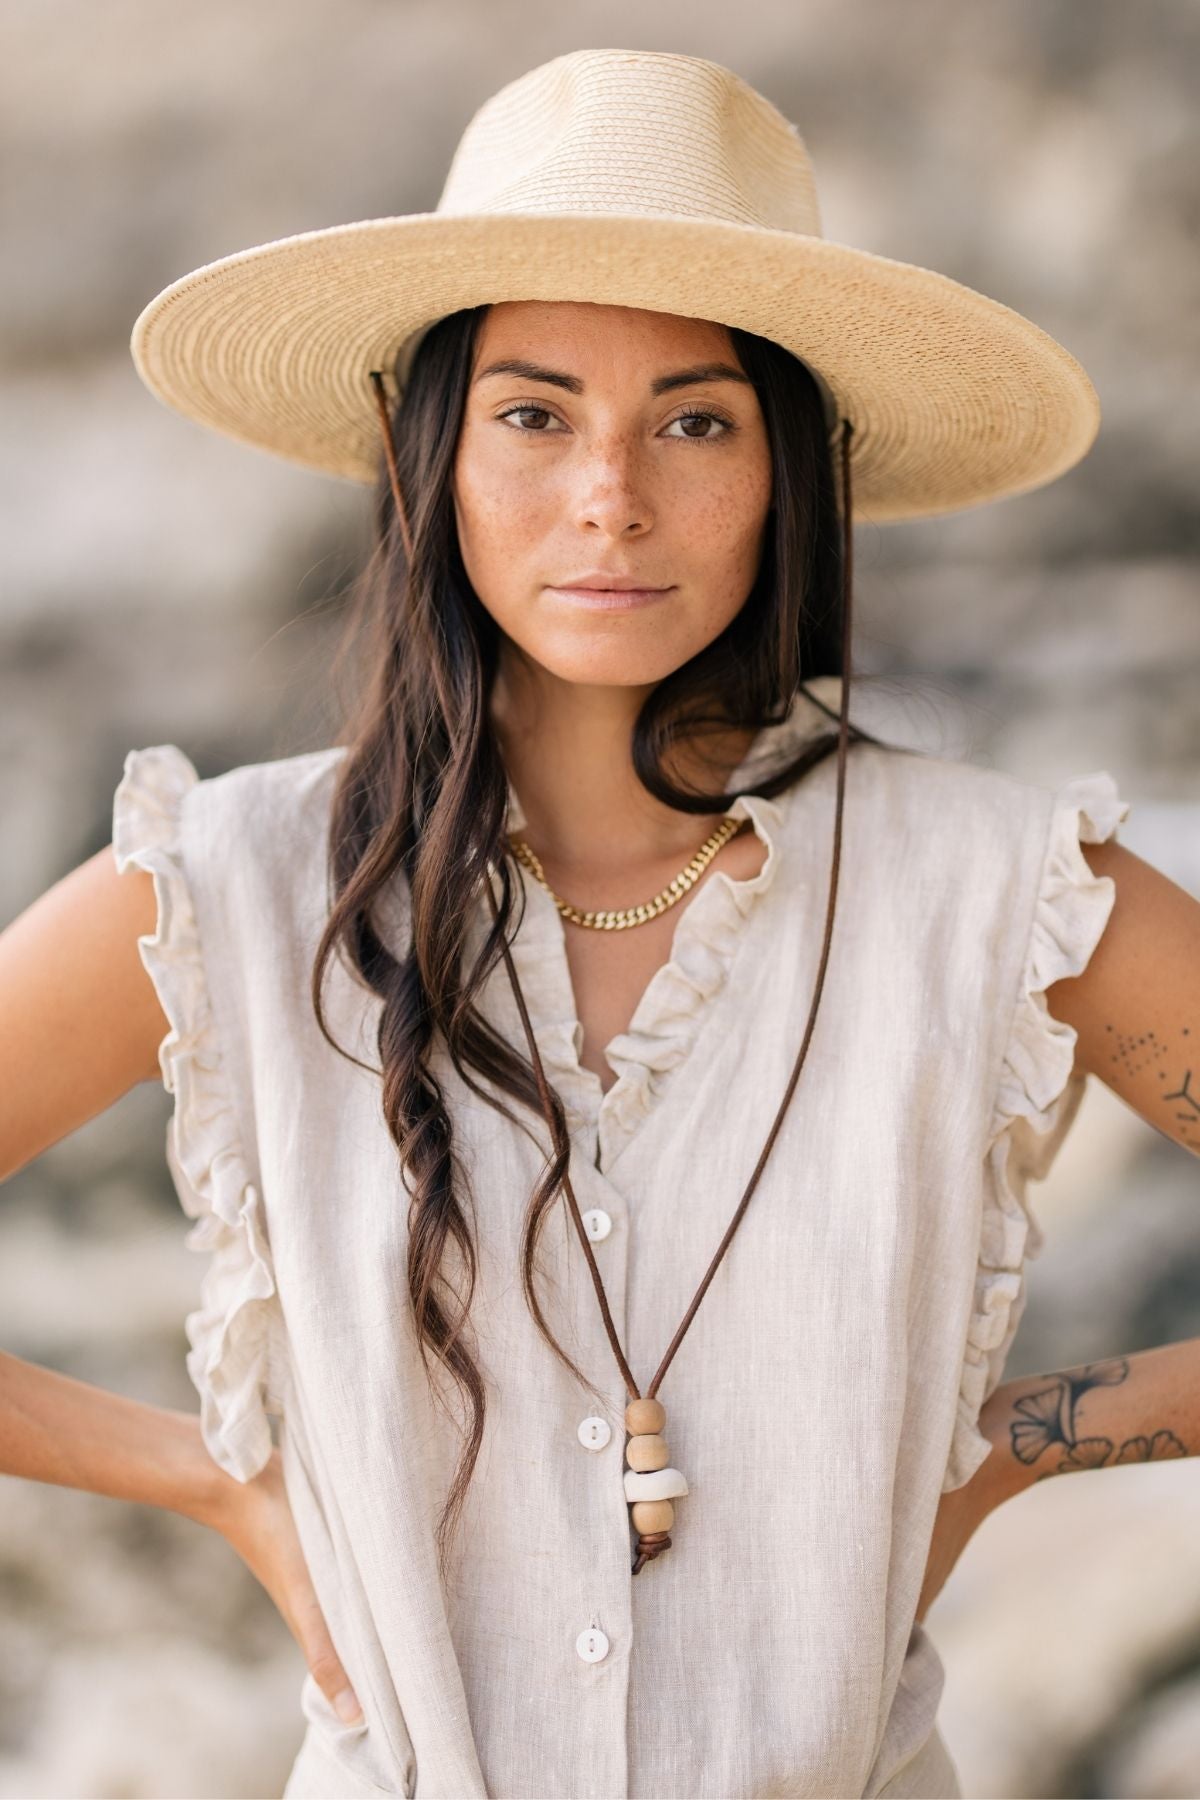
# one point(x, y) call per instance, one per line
point(1136, 1007)
point(1124, 1409)
point(56, 1429)
point(80, 1021)
point(1136, 1014)
point(80, 1024)
point(1100, 1415)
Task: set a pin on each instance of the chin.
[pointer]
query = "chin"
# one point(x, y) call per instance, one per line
point(614, 665)
point(621, 652)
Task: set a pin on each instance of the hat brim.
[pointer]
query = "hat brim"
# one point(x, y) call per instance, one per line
point(955, 399)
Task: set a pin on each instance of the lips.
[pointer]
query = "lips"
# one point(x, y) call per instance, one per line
point(612, 598)
point(597, 583)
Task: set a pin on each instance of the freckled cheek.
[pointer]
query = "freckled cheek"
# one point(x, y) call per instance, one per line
point(500, 525)
point(722, 523)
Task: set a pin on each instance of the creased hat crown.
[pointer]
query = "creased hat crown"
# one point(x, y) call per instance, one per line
point(607, 131)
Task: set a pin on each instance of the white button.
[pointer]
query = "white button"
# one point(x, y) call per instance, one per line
point(592, 1644)
point(597, 1223)
point(594, 1432)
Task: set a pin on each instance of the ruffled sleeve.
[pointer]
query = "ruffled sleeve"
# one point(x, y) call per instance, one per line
point(1037, 1097)
point(231, 1335)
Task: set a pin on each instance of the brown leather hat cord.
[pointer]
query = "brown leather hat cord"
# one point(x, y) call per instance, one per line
point(651, 1486)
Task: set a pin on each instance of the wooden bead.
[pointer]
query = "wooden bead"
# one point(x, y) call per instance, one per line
point(644, 1416)
point(647, 1453)
point(653, 1515)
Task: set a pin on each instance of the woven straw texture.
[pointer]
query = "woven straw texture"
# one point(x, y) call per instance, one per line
point(636, 179)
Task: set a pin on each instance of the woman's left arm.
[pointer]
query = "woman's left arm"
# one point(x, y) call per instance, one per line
point(1136, 1014)
point(1123, 1409)
point(1100, 1415)
point(1136, 1007)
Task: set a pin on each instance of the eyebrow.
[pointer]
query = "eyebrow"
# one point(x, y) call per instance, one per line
point(663, 384)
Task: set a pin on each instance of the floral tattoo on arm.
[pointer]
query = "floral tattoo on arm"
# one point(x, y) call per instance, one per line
point(1046, 1421)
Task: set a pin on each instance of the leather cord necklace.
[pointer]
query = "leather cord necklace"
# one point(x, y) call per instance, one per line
point(650, 1484)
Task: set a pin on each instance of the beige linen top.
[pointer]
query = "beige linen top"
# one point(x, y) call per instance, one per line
point(828, 1388)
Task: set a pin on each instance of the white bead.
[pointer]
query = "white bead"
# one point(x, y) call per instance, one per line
point(654, 1484)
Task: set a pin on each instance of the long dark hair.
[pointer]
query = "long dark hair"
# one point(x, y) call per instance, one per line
point(422, 794)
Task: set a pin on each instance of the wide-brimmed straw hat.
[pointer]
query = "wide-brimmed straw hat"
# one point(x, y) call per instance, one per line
point(639, 179)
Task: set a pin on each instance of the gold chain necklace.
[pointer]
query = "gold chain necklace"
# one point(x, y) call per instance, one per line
point(623, 917)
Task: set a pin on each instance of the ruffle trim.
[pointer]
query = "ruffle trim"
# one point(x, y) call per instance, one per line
point(672, 1009)
point(232, 1333)
point(675, 1004)
point(1038, 1095)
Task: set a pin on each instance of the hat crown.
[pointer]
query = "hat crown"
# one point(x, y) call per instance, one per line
point(623, 131)
point(637, 179)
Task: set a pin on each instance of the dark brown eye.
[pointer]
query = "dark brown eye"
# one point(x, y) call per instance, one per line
point(704, 420)
point(539, 412)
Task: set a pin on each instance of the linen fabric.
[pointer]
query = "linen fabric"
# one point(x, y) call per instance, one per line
point(828, 1389)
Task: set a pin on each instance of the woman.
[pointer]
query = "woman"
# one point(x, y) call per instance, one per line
point(420, 1069)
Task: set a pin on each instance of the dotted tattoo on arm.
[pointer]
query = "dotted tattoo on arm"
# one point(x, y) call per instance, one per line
point(1133, 1053)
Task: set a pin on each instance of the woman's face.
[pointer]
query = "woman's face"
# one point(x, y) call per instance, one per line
point(627, 457)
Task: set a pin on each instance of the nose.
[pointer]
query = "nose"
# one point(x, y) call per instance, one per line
point(612, 491)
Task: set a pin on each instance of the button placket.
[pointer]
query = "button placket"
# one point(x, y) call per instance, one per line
point(607, 1585)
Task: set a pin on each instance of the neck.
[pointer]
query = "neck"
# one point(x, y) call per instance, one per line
point(567, 748)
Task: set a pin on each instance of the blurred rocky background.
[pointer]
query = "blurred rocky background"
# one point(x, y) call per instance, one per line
point(159, 583)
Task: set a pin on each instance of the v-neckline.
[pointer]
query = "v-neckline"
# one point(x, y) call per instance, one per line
point(672, 1009)
point(680, 998)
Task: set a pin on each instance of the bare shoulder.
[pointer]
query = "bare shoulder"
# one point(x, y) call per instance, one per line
point(1136, 1006)
point(80, 1022)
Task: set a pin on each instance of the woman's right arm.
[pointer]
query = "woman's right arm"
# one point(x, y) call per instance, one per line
point(80, 1024)
point(80, 1021)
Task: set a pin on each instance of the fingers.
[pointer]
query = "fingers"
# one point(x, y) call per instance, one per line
point(324, 1665)
point(264, 1535)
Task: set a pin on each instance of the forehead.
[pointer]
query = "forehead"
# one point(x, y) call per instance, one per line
point(586, 328)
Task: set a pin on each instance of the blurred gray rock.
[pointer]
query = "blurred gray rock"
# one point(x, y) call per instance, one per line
point(161, 583)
